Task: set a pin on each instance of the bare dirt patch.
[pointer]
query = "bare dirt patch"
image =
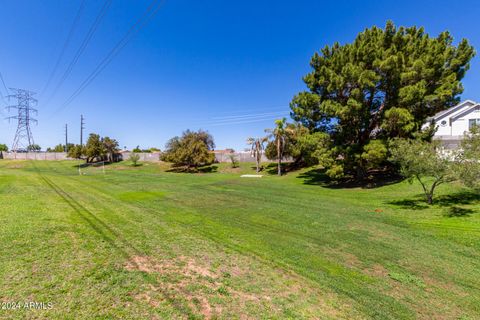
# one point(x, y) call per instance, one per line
point(188, 284)
point(15, 166)
point(376, 270)
point(197, 286)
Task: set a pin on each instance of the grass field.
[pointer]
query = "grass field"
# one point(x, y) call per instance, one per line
point(142, 243)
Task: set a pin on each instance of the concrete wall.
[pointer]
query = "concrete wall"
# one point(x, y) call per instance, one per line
point(144, 156)
point(36, 155)
point(241, 157)
point(149, 157)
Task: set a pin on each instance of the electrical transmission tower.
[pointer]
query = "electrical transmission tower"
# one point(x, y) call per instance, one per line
point(23, 137)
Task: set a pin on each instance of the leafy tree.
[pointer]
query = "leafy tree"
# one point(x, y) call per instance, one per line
point(111, 148)
point(3, 148)
point(94, 149)
point(137, 149)
point(34, 148)
point(301, 145)
point(134, 157)
point(382, 85)
point(468, 165)
point(76, 151)
point(422, 161)
point(279, 135)
point(257, 149)
point(60, 148)
point(192, 149)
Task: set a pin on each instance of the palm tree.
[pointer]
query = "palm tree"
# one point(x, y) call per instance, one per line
point(279, 135)
point(257, 149)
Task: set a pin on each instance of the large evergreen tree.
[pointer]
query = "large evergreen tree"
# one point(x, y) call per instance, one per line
point(383, 85)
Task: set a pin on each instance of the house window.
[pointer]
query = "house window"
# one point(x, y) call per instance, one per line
point(473, 122)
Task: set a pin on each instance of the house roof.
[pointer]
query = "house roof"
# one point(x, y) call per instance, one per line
point(465, 111)
point(453, 110)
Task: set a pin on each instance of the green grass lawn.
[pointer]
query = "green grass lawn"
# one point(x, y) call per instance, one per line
point(142, 243)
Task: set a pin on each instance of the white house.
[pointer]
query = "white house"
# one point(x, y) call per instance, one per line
point(453, 123)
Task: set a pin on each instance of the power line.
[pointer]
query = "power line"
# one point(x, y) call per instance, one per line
point(82, 47)
point(3, 82)
point(65, 45)
point(6, 90)
point(3, 97)
point(134, 29)
point(247, 116)
point(216, 124)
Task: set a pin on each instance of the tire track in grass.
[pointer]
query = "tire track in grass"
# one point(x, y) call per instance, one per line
point(127, 250)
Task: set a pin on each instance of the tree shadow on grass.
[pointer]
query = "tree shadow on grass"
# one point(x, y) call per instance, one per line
point(185, 169)
point(287, 167)
point(374, 180)
point(208, 169)
point(458, 212)
point(417, 203)
point(450, 201)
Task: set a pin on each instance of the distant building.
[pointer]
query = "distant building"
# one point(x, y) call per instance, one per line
point(453, 123)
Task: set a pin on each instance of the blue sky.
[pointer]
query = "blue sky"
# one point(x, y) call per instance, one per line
point(230, 67)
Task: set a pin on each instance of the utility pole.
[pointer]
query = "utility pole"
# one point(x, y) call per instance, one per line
point(82, 126)
point(23, 136)
point(66, 137)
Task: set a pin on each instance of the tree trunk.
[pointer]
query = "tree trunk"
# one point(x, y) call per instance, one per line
point(360, 173)
point(429, 198)
point(279, 158)
point(258, 164)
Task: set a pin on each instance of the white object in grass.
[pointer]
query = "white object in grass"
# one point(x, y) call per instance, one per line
point(251, 176)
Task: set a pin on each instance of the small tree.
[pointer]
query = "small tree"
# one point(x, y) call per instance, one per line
point(422, 161)
point(192, 149)
point(233, 160)
point(279, 136)
point(257, 149)
point(134, 157)
point(468, 165)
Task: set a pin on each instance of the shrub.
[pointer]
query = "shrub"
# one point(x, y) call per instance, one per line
point(233, 160)
point(134, 157)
